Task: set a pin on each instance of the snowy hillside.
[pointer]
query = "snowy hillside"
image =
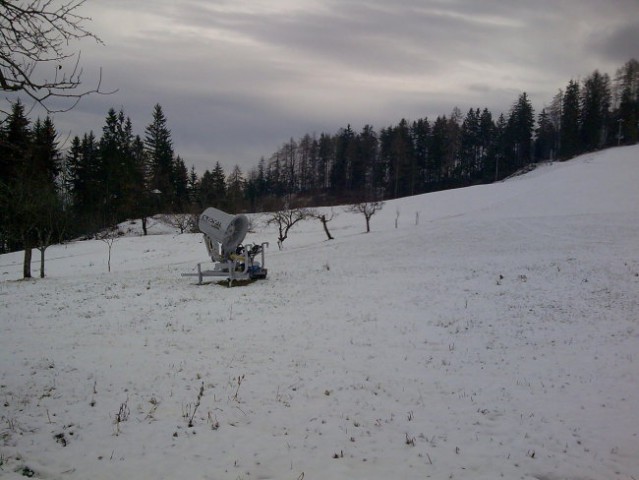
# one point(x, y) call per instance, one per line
point(497, 338)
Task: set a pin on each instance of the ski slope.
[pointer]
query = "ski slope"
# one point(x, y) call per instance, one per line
point(495, 337)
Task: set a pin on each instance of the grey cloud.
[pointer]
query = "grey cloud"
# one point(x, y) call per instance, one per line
point(237, 78)
point(621, 44)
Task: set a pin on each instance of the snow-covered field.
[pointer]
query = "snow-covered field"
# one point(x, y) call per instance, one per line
point(499, 337)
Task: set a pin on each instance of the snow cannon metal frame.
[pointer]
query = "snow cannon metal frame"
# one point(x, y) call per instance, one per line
point(223, 237)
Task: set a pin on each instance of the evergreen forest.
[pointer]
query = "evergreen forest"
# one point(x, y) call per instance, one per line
point(50, 192)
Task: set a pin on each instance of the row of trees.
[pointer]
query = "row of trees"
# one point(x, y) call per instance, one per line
point(122, 175)
point(452, 151)
point(48, 194)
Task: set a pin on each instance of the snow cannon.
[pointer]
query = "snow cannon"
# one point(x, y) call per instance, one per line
point(223, 233)
point(223, 237)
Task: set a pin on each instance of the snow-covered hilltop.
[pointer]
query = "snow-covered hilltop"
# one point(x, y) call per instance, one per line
point(497, 336)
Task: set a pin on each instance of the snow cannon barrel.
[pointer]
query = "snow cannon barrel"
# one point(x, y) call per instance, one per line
point(224, 228)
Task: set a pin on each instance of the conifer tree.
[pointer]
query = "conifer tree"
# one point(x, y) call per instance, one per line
point(501, 147)
point(627, 93)
point(85, 175)
point(570, 140)
point(420, 133)
point(437, 156)
point(325, 158)
point(117, 170)
point(15, 233)
point(344, 147)
point(192, 187)
point(29, 206)
point(139, 197)
point(261, 180)
point(488, 144)
point(521, 123)
point(212, 188)
point(595, 110)
point(555, 112)
point(181, 185)
point(235, 190)
point(364, 159)
point(45, 154)
point(160, 153)
point(403, 173)
point(16, 140)
point(275, 176)
point(544, 137)
point(470, 155)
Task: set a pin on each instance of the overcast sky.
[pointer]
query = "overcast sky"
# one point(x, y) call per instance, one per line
point(238, 78)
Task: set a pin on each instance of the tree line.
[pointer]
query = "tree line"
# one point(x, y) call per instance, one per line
point(51, 192)
point(451, 151)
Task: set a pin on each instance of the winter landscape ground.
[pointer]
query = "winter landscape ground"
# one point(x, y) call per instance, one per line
point(496, 338)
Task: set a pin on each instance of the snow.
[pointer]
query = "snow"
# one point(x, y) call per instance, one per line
point(496, 338)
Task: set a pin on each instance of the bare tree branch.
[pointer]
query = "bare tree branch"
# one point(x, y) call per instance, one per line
point(34, 36)
point(325, 219)
point(285, 219)
point(367, 209)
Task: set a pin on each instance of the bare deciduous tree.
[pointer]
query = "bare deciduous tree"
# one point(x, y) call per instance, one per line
point(285, 219)
point(109, 236)
point(367, 209)
point(34, 35)
point(322, 217)
point(181, 221)
point(21, 221)
point(53, 221)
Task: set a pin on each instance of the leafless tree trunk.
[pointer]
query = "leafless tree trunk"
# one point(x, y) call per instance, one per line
point(285, 219)
point(367, 209)
point(181, 221)
point(109, 237)
point(52, 221)
point(26, 265)
point(43, 243)
point(324, 219)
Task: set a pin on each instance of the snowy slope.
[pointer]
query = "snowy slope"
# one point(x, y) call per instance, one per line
point(498, 337)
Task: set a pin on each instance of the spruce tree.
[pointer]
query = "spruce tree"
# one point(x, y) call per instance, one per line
point(325, 158)
point(501, 147)
point(555, 112)
point(595, 110)
point(487, 133)
point(181, 185)
point(420, 133)
point(235, 190)
point(117, 169)
point(87, 194)
point(340, 174)
point(15, 192)
point(212, 188)
point(16, 141)
point(45, 155)
point(192, 187)
point(437, 155)
point(470, 155)
point(261, 180)
point(364, 158)
point(627, 113)
point(544, 137)
point(570, 140)
point(29, 203)
point(521, 123)
point(159, 147)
